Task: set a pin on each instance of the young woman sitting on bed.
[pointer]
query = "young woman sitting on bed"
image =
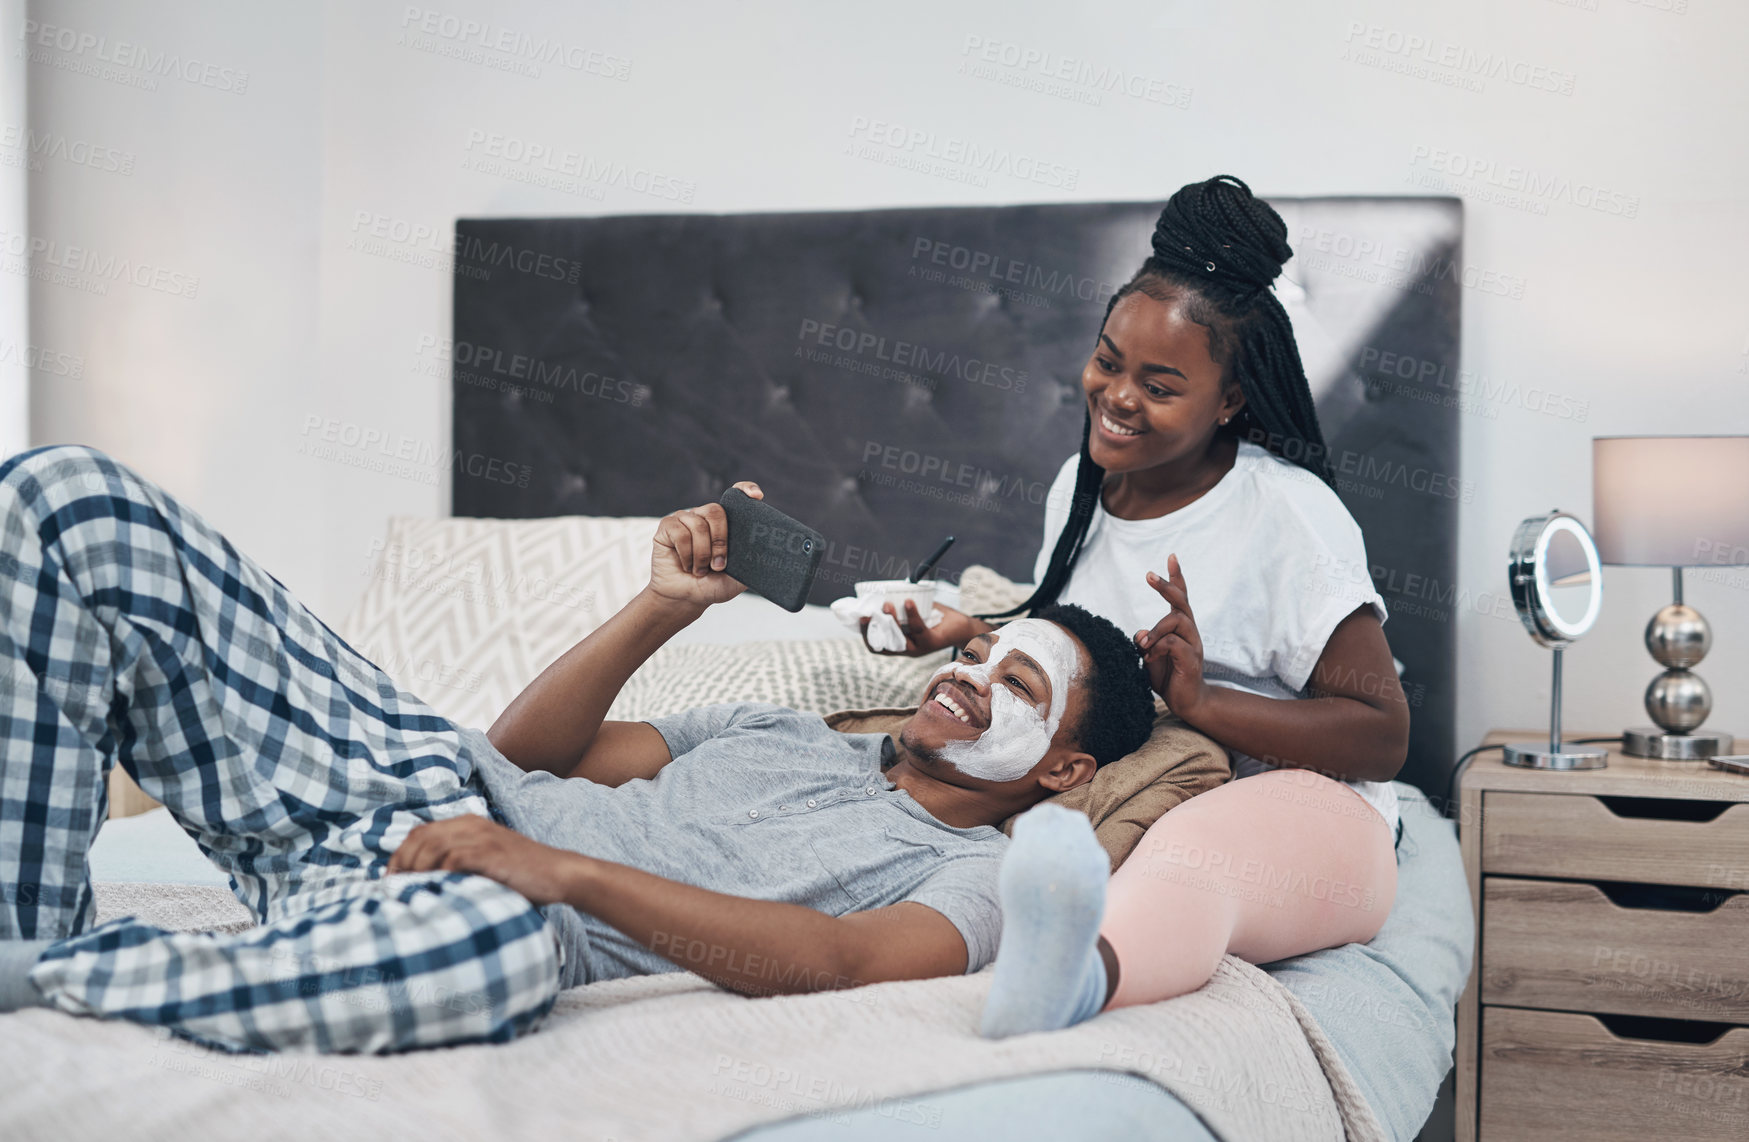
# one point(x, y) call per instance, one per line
point(1203, 488)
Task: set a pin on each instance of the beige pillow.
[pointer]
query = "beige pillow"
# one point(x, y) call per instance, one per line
point(815, 675)
point(1126, 796)
point(987, 592)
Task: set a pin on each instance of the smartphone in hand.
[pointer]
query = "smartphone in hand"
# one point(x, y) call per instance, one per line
point(771, 553)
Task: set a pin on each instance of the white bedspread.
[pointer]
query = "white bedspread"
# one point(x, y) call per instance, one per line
point(673, 1057)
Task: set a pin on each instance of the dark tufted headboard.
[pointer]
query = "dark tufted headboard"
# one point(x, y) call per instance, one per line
point(893, 376)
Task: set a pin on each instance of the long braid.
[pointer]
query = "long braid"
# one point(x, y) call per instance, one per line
point(1089, 479)
point(1217, 248)
point(1279, 417)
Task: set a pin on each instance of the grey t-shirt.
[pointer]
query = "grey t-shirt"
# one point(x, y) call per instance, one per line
point(764, 802)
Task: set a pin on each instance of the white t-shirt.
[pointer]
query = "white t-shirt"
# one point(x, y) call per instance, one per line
point(1272, 562)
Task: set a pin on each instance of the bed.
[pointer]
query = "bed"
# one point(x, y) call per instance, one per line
point(657, 358)
point(1385, 1007)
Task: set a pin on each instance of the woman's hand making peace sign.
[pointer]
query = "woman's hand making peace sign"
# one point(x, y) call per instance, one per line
point(1172, 650)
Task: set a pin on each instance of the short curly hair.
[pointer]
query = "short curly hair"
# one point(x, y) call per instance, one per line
point(1119, 713)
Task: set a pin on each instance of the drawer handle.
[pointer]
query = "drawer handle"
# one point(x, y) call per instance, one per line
point(1660, 809)
point(1662, 897)
point(1660, 1030)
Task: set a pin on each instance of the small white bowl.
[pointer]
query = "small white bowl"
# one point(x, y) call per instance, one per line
point(900, 591)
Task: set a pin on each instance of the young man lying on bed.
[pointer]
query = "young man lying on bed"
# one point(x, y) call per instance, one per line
point(766, 852)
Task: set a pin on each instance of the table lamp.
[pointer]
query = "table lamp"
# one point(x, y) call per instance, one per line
point(1673, 501)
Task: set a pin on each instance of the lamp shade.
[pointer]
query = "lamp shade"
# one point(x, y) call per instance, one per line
point(1671, 501)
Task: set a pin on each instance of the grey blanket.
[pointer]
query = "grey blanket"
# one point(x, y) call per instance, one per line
point(1386, 1006)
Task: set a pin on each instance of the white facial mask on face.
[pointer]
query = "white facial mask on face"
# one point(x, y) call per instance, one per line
point(1018, 735)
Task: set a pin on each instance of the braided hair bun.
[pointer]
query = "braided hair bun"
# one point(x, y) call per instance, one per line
point(1219, 233)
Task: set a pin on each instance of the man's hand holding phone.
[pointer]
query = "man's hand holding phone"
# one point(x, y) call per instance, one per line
point(689, 553)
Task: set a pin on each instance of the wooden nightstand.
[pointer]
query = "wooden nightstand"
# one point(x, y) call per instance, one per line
point(1609, 998)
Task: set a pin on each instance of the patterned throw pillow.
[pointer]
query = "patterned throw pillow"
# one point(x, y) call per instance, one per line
point(465, 612)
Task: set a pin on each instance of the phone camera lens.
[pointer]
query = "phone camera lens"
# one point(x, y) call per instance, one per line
point(807, 545)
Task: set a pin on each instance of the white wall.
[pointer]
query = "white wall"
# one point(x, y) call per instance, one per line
point(212, 199)
point(348, 113)
point(16, 351)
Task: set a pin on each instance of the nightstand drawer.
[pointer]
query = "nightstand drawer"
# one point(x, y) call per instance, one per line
point(1558, 1077)
point(1566, 945)
point(1580, 837)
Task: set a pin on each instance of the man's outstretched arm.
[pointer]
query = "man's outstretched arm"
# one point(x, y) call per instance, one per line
point(556, 723)
point(757, 947)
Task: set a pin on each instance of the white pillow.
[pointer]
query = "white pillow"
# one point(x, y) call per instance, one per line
point(466, 612)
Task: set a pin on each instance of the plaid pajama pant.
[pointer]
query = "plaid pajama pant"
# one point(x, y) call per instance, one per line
point(133, 632)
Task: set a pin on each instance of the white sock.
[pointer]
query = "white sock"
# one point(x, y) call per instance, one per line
point(1049, 974)
point(17, 957)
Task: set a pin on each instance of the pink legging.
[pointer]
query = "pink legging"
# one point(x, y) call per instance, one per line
point(1265, 867)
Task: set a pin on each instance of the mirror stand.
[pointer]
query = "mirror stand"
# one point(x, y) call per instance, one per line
point(1559, 754)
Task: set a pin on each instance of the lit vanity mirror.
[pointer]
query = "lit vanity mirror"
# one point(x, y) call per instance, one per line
point(1557, 586)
